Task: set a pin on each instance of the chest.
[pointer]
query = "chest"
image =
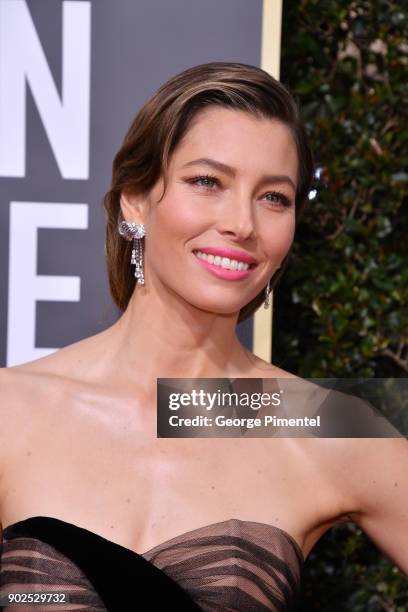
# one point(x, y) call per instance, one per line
point(114, 474)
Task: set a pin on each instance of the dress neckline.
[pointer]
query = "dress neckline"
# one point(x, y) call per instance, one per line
point(40, 518)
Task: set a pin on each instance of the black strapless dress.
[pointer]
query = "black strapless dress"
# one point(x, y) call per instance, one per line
point(233, 565)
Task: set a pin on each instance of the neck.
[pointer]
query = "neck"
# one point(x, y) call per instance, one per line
point(169, 337)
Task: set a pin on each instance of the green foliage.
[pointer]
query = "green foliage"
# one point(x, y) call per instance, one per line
point(342, 306)
point(345, 573)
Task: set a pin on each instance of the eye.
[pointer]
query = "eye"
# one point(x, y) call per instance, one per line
point(207, 181)
point(276, 197)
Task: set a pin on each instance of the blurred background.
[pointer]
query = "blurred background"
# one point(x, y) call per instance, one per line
point(342, 307)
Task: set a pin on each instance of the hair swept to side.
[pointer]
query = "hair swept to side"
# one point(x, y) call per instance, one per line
point(161, 124)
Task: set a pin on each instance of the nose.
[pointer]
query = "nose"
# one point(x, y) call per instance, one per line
point(237, 218)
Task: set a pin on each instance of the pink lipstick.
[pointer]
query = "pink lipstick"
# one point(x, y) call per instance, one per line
point(220, 271)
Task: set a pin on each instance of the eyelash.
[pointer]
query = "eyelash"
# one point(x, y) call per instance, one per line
point(208, 177)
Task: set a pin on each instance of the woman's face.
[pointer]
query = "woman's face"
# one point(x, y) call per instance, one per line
point(231, 188)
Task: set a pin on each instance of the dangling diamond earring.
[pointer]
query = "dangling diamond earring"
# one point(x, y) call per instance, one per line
point(135, 232)
point(268, 289)
point(267, 292)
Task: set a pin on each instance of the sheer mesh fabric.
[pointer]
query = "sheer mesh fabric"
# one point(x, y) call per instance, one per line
point(233, 565)
point(29, 565)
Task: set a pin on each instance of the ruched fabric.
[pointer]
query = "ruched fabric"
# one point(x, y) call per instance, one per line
point(233, 565)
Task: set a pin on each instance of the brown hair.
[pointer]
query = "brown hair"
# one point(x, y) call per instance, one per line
point(161, 124)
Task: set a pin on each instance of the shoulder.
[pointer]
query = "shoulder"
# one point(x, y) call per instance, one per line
point(376, 478)
point(74, 363)
point(42, 388)
point(358, 472)
point(32, 394)
point(27, 382)
point(16, 418)
point(261, 368)
point(23, 394)
point(14, 389)
point(29, 390)
point(375, 471)
point(323, 459)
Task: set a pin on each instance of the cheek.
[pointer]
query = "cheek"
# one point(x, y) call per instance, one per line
point(176, 219)
point(172, 225)
point(278, 237)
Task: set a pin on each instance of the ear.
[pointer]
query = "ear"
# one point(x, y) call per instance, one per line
point(133, 207)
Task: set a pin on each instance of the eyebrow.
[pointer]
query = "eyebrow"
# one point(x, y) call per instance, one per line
point(267, 178)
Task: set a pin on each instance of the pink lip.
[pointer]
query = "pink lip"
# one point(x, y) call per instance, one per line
point(222, 272)
point(230, 253)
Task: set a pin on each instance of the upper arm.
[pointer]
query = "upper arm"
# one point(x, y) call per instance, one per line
point(10, 401)
point(378, 483)
point(4, 402)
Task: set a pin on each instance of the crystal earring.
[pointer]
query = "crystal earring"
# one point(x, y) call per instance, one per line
point(135, 232)
point(268, 289)
point(267, 293)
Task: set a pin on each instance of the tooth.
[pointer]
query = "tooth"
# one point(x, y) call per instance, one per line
point(224, 262)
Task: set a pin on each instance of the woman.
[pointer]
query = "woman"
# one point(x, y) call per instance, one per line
point(216, 165)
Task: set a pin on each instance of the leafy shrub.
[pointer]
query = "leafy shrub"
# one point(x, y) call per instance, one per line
point(341, 309)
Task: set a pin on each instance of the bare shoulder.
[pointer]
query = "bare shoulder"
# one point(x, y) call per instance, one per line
point(28, 389)
point(23, 391)
point(360, 479)
point(13, 390)
point(34, 394)
point(299, 386)
point(73, 361)
point(371, 468)
point(352, 470)
point(260, 367)
point(376, 479)
point(17, 398)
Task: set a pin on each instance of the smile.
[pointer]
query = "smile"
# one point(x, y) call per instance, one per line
point(224, 267)
point(223, 262)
